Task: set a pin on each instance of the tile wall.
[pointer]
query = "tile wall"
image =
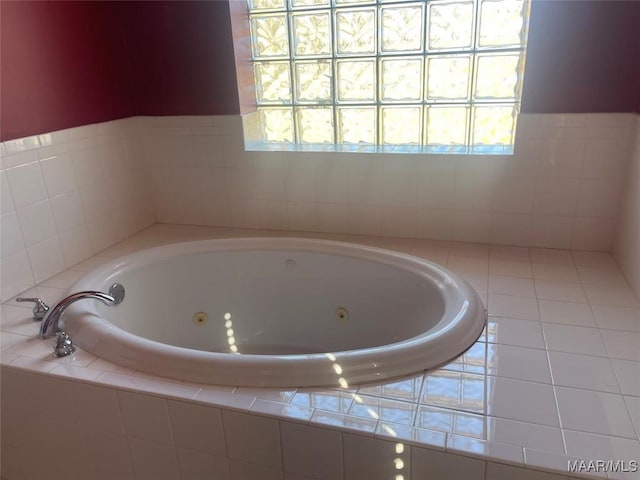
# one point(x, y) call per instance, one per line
point(69, 194)
point(99, 433)
point(66, 196)
point(627, 244)
point(560, 190)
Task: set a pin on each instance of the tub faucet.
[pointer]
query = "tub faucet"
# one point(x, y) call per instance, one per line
point(51, 318)
point(49, 325)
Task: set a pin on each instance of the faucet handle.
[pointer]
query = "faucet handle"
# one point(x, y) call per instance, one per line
point(40, 308)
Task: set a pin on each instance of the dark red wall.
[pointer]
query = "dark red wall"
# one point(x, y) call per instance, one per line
point(65, 64)
point(583, 56)
point(181, 57)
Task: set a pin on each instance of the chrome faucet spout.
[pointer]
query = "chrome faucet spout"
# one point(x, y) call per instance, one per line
point(49, 325)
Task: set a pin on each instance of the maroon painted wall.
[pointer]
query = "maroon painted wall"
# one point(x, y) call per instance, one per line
point(583, 56)
point(181, 57)
point(63, 65)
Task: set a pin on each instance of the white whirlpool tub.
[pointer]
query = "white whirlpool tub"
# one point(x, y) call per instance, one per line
point(283, 312)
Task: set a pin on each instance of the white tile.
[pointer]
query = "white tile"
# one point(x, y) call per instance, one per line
point(407, 389)
point(332, 218)
point(36, 222)
point(18, 320)
point(109, 454)
point(6, 200)
point(518, 362)
point(524, 308)
point(311, 451)
point(329, 400)
point(435, 191)
point(593, 233)
point(473, 250)
point(563, 291)
point(553, 256)
point(17, 158)
point(248, 471)
point(573, 339)
point(412, 435)
point(519, 434)
point(474, 193)
point(302, 216)
point(604, 158)
point(88, 399)
point(153, 460)
point(523, 401)
point(617, 318)
point(373, 459)
point(566, 312)
point(510, 268)
point(478, 281)
point(301, 186)
point(344, 422)
point(594, 259)
point(633, 406)
point(623, 345)
point(67, 211)
point(11, 241)
point(470, 226)
point(515, 254)
point(595, 412)
point(277, 409)
point(468, 264)
point(555, 272)
point(628, 373)
point(64, 279)
point(498, 471)
point(599, 197)
point(146, 417)
point(512, 331)
point(26, 184)
point(75, 245)
point(614, 296)
point(603, 447)
point(482, 449)
point(365, 220)
point(46, 259)
point(601, 276)
point(270, 184)
point(551, 232)
point(457, 390)
point(436, 465)
point(197, 427)
point(513, 195)
point(58, 174)
point(197, 465)
point(451, 421)
point(383, 409)
point(252, 439)
point(556, 196)
point(333, 187)
point(583, 371)
point(398, 222)
point(399, 190)
point(554, 462)
point(510, 229)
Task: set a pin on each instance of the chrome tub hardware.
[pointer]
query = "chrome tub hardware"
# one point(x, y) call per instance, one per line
point(49, 325)
point(64, 345)
point(51, 316)
point(40, 308)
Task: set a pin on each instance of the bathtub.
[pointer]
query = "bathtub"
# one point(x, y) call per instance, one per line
point(283, 312)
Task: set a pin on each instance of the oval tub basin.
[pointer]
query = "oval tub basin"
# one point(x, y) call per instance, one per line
point(283, 312)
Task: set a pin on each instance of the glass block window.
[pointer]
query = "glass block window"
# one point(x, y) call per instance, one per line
point(441, 75)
